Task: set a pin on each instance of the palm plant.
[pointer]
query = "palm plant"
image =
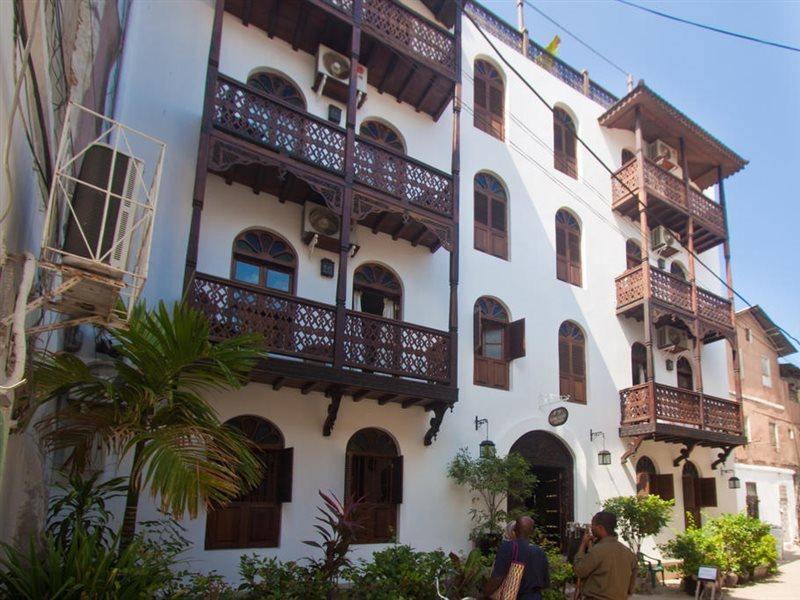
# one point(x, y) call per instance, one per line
point(152, 411)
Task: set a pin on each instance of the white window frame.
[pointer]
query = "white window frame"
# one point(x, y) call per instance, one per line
point(774, 434)
point(766, 372)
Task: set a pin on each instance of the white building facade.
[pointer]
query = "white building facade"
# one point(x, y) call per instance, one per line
point(478, 263)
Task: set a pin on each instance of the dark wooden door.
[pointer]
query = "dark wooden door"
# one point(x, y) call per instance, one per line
point(546, 502)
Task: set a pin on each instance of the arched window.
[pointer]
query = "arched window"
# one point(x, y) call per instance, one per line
point(382, 133)
point(497, 341)
point(278, 86)
point(638, 364)
point(489, 100)
point(491, 211)
point(572, 362)
point(627, 155)
point(264, 259)
point(684, 369)
point(253, 520)
point(698, 492)
point(568, 248)
point(650, 482)
point(374, 473)
point(633, 254)
point(564, 143)
point(677, 269)
point(377, 291)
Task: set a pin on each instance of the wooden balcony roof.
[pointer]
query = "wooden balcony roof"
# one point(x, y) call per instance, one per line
point(443, 10)
point(661, 120)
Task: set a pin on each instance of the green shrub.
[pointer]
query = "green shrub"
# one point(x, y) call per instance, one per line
point(746, 541)
point(561, 572)
point(639, 517)
point(397, 573)
point(269, 579)
point(696, 547)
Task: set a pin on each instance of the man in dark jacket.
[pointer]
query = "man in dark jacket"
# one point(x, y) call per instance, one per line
point(606, 567)
point(536, 575)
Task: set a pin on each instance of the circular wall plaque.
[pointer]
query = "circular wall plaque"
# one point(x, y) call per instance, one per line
point(558, 416)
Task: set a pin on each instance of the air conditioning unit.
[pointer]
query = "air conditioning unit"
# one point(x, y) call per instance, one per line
point(333, 76)
point(672, 339)
point(98, 234)
point(663, 241)
point(663, 155)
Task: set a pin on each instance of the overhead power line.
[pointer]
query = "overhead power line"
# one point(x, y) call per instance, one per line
point(742, 36)
point(644, 207)
point(578, 39)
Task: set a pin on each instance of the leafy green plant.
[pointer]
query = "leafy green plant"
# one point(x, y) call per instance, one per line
point(492, 480)
point(696, 547)
point(337, 529)
point(153, 411)
point(561, 572)
point(746, 541)
point(81, 502)
point(269, 579)
point(639, 517)
point(398, 572)
point(466, 576)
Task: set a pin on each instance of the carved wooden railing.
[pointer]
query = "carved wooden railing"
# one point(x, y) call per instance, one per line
point(397, 348)
point(269, 122)
point(713, 308)
point(303, 328)
point(670, 189)
point(672, 291)
point(658, 403)
point(406, 29)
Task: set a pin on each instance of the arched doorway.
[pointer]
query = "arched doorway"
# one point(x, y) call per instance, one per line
point(552, 502)
point(691, 493)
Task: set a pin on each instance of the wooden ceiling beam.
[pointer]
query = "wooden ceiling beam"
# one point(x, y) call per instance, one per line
point(360, 395)
point(308, 387)
point(247, 12)
point(379, 223)
point(272, 18)
point(425, 93)
point(401, 92)
point(298, 28)
point(389, 70)
point(386, 398)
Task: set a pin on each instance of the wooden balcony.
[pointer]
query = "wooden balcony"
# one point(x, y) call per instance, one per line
point(257, 139)
point(673, 295)
point(672, 414)
point(406, 55)
point(384, 359)
point(668, 204)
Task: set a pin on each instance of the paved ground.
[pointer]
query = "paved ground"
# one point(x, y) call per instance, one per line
point(783, 586)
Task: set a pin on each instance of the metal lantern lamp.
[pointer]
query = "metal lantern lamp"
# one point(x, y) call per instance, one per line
point(487, 447)
point(734, 482)
point(604, 456)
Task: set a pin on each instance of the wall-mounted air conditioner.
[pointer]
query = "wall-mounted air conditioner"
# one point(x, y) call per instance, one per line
point(321, 229)
point(663, 242)
point(672, 339)
point(663, 155)
point(99, 224)
point(333, 76)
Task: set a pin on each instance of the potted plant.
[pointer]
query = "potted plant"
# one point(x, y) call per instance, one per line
point(492, 480)
point(696, 547)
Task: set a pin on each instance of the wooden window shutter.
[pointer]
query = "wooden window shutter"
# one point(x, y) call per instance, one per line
point(708, 491)
point(285, 462)
point(644, 484)
point(397, 480)
point(482, 233)
point(574, 251)
point(664, 486)
point(565, 376)
point(516, 339)
point(223, 526)
point(477, 331)
point(496, 111)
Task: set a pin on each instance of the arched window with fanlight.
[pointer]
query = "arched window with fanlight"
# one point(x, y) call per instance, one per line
point(377, 291)
point(627, 156)
point(491, 216)
point(253, 520)
point(572, 362)
point(497, 341)
point(677, 269)
point(685, 377)
point(648, 481)
point(489, 99)
point(568, 248)
point(264, 259)
point(565, 149)
point(374, 475)
point(633, 254)
point(278, 86)
point(382, 133)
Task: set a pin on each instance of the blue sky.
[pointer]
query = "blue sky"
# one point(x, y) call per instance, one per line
point(747, 95)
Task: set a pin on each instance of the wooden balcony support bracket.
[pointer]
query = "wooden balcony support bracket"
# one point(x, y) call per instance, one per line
point(633, 448)
point(386, 398)
point(359, 395)
point(684, 454)
point(278, 383)
point(435, 423)
point(309, 387)
point(722, 457)
point(333, 411)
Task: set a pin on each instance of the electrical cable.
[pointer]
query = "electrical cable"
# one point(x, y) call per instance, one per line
point(603, 164)
point(742, 36)
point(578, 39)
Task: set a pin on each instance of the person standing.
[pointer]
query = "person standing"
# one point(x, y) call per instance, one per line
point(536, 575)
point(606, 567)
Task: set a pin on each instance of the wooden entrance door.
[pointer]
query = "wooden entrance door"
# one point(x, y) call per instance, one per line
point(691, 495)
point(551, 504)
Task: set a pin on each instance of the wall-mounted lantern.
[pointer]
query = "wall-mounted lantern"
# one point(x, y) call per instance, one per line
point(487, 447)
point(604, 456)
point(734, 482)
point(670, 364)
